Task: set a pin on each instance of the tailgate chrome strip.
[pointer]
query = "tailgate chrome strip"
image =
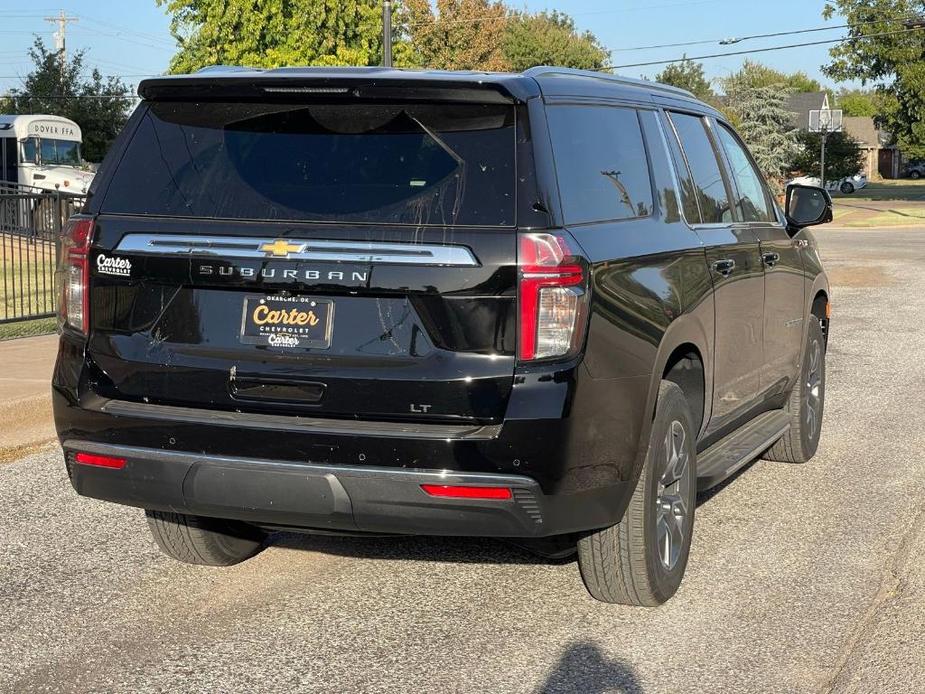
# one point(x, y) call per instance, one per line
point(296, 424)
point(261, 248)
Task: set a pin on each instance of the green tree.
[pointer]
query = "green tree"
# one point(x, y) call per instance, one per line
point(687, 75)
point(550, 38)
point(754, 74)
point(893, 62)
point(486, 35)
point(766, 126)
point(274, 33)
point(859, 102)
point(843, 156)
point(62, 88)
point(457, 34)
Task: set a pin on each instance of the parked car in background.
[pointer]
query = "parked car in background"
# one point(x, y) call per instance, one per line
point(915, 170)
point(546, 306)
point(845, 185)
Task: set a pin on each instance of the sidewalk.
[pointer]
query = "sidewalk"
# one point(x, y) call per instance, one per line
point(25, 394)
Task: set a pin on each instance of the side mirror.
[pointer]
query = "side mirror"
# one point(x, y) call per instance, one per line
point(807, 206)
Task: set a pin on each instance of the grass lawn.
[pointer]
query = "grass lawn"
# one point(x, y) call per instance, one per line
point(27, 328)
point(899, 189)
point(26, 277)
point(866, 218)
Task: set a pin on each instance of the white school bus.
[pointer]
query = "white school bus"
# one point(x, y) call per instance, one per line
point(42, 152)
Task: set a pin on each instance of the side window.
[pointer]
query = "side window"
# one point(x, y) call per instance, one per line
point(601, 163)
point(28, 150)
point(8, 159)
point(688, 191)
point(753, 203)
point(705, 168)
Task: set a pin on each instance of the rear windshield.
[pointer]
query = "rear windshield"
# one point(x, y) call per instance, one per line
point(381, 163)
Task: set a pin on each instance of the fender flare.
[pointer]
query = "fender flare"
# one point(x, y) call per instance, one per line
point(820, 284)
point(685, 329)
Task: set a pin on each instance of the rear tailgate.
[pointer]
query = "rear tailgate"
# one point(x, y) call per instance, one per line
point(325, 260)
point(432, 341)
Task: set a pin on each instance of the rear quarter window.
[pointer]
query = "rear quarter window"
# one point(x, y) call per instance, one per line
point(601, 163)
point(429, 164)
point(705, 168)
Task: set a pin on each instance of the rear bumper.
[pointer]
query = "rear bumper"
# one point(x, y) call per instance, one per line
point(331, 497)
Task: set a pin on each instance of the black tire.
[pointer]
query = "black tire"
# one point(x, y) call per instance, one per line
point(915, 175)
point(799, 444)
point(847, 188)
point(203, 541)
point(623, 563)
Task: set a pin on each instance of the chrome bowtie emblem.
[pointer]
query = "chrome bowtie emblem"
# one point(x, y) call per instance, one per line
point(280, 248)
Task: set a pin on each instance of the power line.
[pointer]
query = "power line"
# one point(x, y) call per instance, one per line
point(504, 17)
point(71, 96)
point(765, 50)
point(121, 75)
point(127, 39)
point(126, 30)
point(731, 40)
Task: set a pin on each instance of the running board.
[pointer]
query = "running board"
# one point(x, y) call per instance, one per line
point(742, 446)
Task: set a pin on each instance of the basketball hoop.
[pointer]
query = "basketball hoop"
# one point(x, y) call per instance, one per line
point(826, 120)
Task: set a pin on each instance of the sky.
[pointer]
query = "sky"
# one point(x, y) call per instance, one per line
point(131, 38)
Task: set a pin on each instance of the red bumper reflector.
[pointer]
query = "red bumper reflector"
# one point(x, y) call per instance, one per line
point(459, 492)
point(100, 460)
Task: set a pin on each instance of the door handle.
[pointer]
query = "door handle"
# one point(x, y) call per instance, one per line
point(724, 267)
point(770, 259)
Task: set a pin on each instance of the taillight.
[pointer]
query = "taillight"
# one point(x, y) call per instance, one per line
point(456, 491)
point(552, 297)
point(100, 460)
point(74, 275)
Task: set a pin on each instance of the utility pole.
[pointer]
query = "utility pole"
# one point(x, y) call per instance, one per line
point(62, 21)
point(387, 33)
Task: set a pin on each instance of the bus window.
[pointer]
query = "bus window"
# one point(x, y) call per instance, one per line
point(64, 152)
point(28, 151)
point(68, 152)
point(49, 152)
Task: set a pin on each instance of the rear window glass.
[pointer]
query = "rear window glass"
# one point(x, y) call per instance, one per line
point(601, 163)
point(382, 163)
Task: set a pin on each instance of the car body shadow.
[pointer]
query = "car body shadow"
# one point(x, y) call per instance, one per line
point(463, 550)
point(584, 668)
point(708, 494)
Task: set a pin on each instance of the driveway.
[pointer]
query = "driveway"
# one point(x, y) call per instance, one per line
point(802, 578)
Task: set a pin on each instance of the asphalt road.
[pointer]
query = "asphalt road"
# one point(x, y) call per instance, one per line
point(803, 578)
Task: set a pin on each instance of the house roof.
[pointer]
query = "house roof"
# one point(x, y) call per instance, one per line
point(862, 129)
point(801, 103)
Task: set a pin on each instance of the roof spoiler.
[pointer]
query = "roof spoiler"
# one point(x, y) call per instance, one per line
point(228, 82)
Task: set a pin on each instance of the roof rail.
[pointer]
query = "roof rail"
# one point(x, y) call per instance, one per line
point(609, 77)
point(227, 68)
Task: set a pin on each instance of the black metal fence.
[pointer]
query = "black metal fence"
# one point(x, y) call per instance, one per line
point(31, 221)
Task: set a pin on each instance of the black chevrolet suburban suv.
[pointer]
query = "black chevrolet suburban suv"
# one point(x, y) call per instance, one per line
point(546, 306)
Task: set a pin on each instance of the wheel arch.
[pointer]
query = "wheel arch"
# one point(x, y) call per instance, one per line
point(685, 368)
point(819, 305)
point(684, 336)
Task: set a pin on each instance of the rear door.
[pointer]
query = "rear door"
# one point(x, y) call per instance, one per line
point(734, 257)
point(783, 269)
point(345, 260)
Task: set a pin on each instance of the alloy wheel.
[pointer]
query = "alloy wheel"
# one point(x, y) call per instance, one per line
point(813, 388)
point(671, 503)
